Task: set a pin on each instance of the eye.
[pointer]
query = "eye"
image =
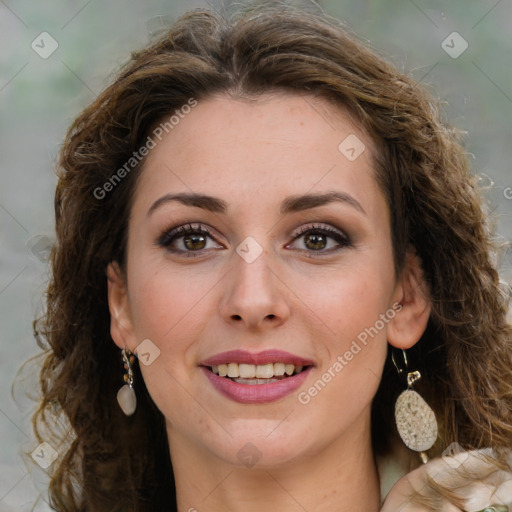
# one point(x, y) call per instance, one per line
point(320, 239)
point(187, 239)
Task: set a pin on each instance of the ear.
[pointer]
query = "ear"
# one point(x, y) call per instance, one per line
point(411, 293)
point(121, 326)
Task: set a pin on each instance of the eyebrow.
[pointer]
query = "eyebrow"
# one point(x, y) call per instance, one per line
point(290, 204)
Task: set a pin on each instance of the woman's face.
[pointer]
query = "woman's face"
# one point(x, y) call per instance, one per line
point(259, 239)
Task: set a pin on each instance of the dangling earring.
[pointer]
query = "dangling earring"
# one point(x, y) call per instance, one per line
point(126, 397)
point(415, 420)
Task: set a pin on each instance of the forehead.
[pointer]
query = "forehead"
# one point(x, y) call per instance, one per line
point(259, 149)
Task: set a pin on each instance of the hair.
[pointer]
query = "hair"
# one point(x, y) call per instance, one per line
point(113, 462)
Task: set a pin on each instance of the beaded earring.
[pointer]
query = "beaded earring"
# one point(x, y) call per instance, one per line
point(126, 397)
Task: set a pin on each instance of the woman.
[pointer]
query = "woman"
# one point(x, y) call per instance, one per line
point(277, 223)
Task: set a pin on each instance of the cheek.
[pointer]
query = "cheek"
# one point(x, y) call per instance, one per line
point(355, 306)
point(170, 308)
point(345, 385)
point(166, 302)
point(348, 301)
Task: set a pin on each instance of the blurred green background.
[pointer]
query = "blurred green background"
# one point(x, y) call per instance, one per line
point(39, 97)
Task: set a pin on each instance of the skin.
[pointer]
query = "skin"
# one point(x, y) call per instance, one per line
point(471, 476)
point(253, 154)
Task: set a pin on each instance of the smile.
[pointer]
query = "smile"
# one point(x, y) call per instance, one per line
point(256, 374)
point(256, 378)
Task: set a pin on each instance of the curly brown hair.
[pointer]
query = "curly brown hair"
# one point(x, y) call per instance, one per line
point(112, 462)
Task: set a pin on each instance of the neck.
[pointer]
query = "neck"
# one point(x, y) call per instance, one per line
point(339, 478)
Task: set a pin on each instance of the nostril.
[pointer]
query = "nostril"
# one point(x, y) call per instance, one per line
point(270, 317)
point(236, 317)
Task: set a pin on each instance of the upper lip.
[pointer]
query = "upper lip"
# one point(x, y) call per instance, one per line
point(256, 358)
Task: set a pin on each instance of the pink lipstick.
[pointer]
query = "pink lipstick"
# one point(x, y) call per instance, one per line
point(256, 378)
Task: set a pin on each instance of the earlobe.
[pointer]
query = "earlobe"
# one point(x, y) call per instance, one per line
point(409, 324)
point(121, 328)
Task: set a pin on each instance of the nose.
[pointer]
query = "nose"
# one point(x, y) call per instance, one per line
point(254, 297)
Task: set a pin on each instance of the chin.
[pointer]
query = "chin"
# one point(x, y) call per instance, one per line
point(266, 445)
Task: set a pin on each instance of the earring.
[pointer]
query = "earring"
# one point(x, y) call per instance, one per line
point(415, 420)
point(126, 397)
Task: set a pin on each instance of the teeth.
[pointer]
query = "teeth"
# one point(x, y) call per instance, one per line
point(278, 369)
point(233, 370)
point(265, 371)
point(256, 372)
point(255, 381)
point(247, 371)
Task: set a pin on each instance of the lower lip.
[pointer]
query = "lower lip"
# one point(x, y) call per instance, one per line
point(256, 393)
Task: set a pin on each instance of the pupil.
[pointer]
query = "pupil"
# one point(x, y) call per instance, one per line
point(195, 242)
point(315, 242)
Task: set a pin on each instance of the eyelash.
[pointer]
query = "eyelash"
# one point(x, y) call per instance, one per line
point(343, 240)
point(172, 234)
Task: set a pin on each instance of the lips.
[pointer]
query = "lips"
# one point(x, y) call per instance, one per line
point(261, 377)
point(259, 358)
